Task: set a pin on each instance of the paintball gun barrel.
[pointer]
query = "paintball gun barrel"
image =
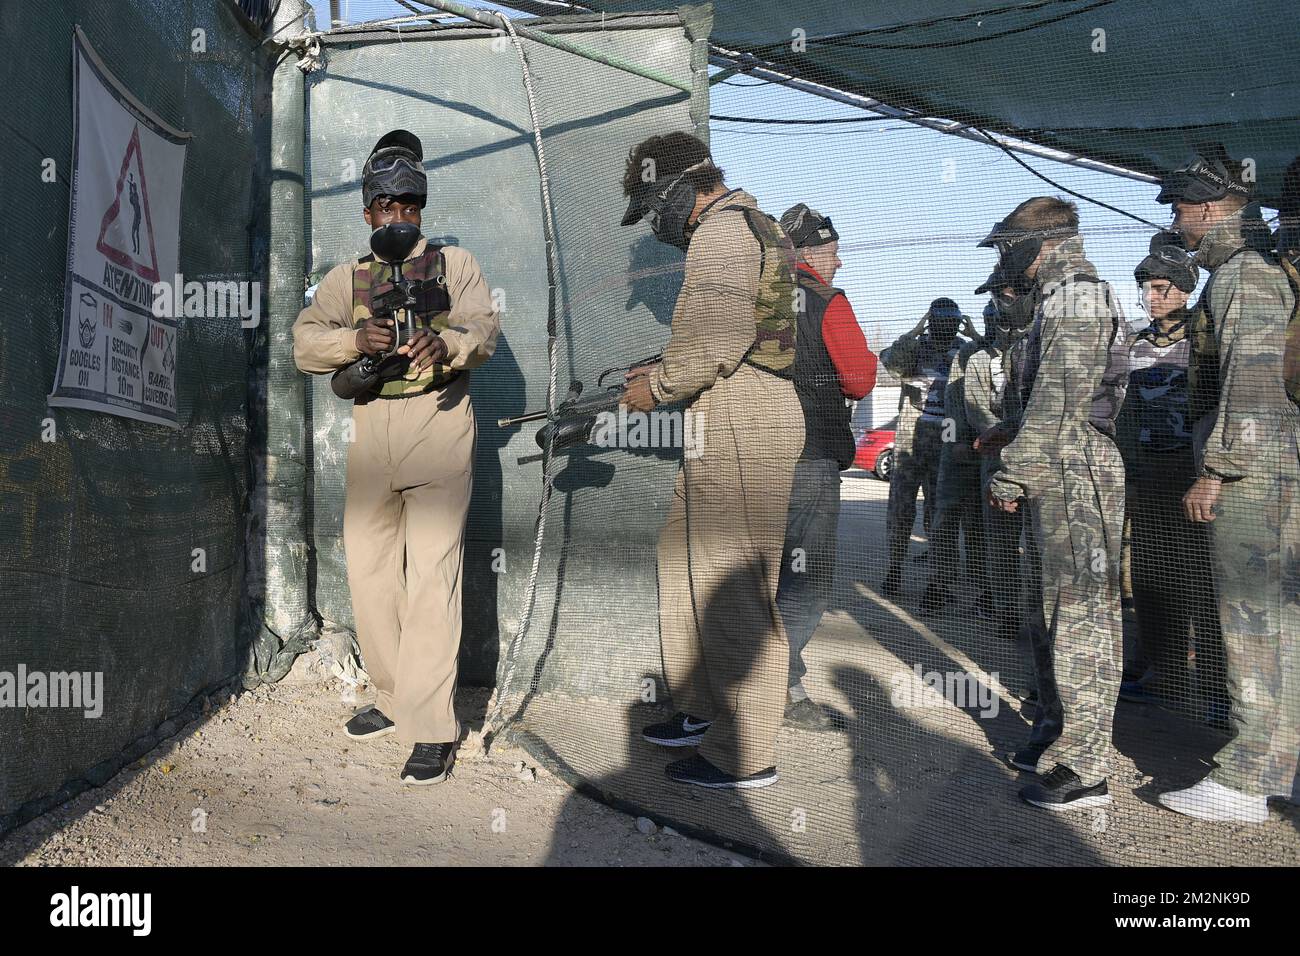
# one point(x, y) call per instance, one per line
point(575, 418)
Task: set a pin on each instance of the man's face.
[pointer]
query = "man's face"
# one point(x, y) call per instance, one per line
point(824, 259)
point(1160, 298)
point(1192, 220)
point(387, 210)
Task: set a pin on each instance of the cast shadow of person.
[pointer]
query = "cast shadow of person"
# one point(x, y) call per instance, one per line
point(654, 272)
point(726, 818)
point(498, 390)
point(927, 798)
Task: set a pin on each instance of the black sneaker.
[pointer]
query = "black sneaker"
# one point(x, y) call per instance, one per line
point(428, 763)
point(369, 724)
point(805, 715)
point(1061, 789)
point(698, 771)
point(679, 730)
point(892, 585)
point(933, 600)
point(1027, 757)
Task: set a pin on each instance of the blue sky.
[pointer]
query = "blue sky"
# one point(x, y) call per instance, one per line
point(909, 203)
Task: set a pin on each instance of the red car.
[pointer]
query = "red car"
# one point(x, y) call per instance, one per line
point(876, 451)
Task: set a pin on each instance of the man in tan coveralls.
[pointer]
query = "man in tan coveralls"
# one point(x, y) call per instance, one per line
point(730, 359)
point(411, 463)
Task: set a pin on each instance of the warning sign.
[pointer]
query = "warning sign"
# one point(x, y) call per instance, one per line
point(114, 238)
point(123, 236)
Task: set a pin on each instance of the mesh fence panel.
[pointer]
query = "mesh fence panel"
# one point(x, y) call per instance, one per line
point(925, 684)
point(100, 524)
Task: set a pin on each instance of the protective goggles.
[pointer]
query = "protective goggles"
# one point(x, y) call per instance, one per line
point(1205, 179)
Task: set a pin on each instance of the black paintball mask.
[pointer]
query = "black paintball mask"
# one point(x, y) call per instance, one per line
point(1205, 178)
point(1018, 248)
point(666, 205)
point(942, 320)
point(1168, 259)
point(395, 168)
point(990, 316)
point(1012, 297)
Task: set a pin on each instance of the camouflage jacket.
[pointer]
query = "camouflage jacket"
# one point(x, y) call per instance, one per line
point(325, 333)
point(715, 321)
point(1077, 324)
point(1247, 302)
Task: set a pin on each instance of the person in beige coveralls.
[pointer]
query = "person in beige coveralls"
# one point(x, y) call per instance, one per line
point(725, 653)
point(410, 465)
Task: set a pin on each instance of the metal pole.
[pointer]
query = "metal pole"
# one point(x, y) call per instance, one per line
point(494, 20)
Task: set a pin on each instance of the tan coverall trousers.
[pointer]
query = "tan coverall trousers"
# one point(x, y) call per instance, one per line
point(410, 470)
point(725, 653)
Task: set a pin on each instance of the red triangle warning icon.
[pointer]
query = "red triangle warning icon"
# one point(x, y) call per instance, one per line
point(124, 240)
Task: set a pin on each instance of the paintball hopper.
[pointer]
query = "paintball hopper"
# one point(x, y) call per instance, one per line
point(394, 242)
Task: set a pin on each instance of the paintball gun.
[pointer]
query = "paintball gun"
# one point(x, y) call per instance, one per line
point(575, 417)
point(391, 244)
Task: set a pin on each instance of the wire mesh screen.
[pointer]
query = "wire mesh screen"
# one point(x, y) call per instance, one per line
point(101, 515)
point(950, 653)
point(460, 90)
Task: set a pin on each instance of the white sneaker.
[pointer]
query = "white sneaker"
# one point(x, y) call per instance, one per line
point(1215, 802)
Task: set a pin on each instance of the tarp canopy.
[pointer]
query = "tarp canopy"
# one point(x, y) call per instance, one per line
point(1136, 83)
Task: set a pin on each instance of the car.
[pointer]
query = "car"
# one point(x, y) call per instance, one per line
point(876, 451)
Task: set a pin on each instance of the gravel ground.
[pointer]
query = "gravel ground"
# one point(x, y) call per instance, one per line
point(269, 779)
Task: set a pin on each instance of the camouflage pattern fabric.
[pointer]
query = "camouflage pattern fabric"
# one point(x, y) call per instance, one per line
point(958, 509)
point(775, 323)
point(372, 279)
point(1072, 478)
point(917, 444)
point(1252, 442)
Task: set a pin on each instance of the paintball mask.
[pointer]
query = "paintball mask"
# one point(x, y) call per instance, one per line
point(1018, 248)
point(1012, 298)
point(943, 319)
point(1168, 259)
point(1205, 179)
point(666, 205)
point(394, 168)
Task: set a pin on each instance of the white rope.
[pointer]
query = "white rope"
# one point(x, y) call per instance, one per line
point(530, 592)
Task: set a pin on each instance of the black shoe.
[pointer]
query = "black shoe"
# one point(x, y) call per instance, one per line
point(679, 730)
point(428, 763)
point(892, 584)
point(698, 771)
point(1027, 757)
point(1061, 789)
point(805, 715)
point(369, 724)
point(934, 599)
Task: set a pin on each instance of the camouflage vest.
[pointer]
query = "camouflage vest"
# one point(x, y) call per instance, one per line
point(775, 321)
point(371, 280)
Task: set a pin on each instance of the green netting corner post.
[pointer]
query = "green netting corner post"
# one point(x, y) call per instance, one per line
point(698, 23)
point(283, 622)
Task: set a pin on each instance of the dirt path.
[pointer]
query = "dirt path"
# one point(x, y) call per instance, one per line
point(269, 779)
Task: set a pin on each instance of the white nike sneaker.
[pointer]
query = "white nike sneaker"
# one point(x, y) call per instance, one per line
point(1215, 802)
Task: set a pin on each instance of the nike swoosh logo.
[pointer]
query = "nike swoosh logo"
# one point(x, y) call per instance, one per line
point(690, 727)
